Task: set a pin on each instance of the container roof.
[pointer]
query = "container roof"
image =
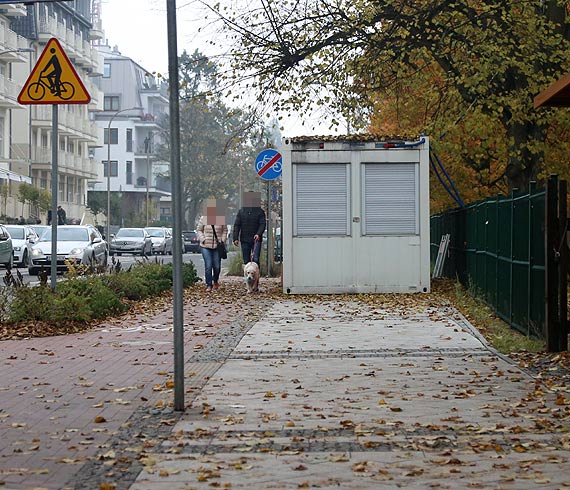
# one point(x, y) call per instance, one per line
point(356, 138)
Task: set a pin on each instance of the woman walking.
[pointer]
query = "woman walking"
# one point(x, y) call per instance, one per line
point(212, 230)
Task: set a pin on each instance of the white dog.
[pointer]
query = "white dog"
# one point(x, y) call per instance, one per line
point(251, 277)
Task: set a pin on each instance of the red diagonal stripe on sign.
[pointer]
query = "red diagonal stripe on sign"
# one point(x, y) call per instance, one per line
point(264, 169)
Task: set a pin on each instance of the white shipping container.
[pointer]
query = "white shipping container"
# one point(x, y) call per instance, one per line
point(355, 216)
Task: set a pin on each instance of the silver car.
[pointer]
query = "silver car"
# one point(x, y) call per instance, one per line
point(76, 244)
point(161, 240)
point(23, 238)
point(131, 241)
point(6, 252)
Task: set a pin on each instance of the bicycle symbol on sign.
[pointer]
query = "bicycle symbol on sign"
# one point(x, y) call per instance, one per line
point(266, 159)
point(50, 79)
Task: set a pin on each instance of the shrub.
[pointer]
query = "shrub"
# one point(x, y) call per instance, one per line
point(127, 285)
point(83, 298)
point(33, 303)
point(94, 292)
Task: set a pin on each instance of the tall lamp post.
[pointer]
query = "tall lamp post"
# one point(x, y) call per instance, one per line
point(108, 235)
point(147, 147)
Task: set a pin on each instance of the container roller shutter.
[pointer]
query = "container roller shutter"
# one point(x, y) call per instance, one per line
point(321, 199)
point(390, 199)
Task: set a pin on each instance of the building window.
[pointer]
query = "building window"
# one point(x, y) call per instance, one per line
point(129, 172)
point(106, 70)
point(164, 211)
point(129, 139)
point(114, 136)
point(111, 103)
point(62, 145)
point(114, 168)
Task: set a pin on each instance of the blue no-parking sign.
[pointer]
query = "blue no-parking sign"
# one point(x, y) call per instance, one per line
point(269, 164)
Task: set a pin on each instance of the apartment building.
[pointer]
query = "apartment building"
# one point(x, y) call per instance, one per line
point(135, 108)
point(27, 132)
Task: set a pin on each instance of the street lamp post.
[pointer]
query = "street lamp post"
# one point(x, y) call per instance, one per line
point(147, 145)
point(108, 235)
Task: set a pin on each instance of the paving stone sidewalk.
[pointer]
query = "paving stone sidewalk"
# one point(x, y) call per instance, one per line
point(66, 400)
point(334, 392)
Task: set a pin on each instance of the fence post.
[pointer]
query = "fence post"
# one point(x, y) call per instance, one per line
point(562, 337)
point(551, 324)
point(531, 192)
point(511, 255)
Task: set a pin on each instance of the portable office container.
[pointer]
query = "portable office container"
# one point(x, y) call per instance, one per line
point(355, 215)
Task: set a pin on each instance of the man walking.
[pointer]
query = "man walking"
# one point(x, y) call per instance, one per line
point(61, 215)
point(249, 226)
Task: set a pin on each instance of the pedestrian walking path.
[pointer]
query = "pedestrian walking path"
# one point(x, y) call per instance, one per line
point(352, 392)
point(383, 391)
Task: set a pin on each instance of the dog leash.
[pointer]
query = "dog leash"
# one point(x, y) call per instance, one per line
point(253, 250)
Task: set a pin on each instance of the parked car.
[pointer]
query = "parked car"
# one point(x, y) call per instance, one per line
point(6, 250)
point(161, 240)
point(191, 243)
point(132, 241)
point(77, 244)
point(39, 229)
point(23, 238)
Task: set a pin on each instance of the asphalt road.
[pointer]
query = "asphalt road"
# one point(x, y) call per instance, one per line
point(125, 260)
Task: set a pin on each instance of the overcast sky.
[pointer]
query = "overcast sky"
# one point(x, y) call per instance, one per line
point(139, 30)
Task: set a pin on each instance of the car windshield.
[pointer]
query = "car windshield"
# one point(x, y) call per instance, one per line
point(189, 234)
point(39, 229)
point(155, 232)
point(67, 235)
point(16, 233)
point(126, 232)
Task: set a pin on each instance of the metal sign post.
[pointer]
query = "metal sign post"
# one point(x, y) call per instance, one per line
point(178, 286)
point(269, 165)
point(269, 229)
point(54, 192)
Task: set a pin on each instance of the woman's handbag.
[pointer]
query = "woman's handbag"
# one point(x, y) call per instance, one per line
point(222, 252)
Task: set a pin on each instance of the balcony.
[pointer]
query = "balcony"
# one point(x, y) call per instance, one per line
point(10, 42)
point(47, 28)
point(8, 93)
point(96, 31)
point(16, 9)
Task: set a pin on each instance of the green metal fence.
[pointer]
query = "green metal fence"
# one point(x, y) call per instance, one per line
point(497, 250)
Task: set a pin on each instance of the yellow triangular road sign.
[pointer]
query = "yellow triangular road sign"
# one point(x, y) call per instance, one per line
point(54, 80)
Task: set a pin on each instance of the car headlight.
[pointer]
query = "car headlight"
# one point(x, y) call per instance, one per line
point(76, 251)
point(17, 249)
point(36, 252)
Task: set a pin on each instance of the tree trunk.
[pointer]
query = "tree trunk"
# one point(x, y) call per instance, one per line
point(524, 164)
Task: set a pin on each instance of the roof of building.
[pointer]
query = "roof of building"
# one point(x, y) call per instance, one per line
point(557, 95)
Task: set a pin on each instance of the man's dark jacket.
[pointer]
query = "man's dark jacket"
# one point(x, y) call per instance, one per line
point(249, 222)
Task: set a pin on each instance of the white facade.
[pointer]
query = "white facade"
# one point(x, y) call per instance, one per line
point(134, 106)
point(355, 216)
point(27, 130)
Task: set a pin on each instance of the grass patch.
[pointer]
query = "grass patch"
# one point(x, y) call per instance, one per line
point(497, 332)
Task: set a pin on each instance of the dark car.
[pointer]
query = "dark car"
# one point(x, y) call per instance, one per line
point(191, 243)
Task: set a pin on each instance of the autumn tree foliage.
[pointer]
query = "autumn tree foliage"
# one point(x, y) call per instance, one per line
point(468, 68)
